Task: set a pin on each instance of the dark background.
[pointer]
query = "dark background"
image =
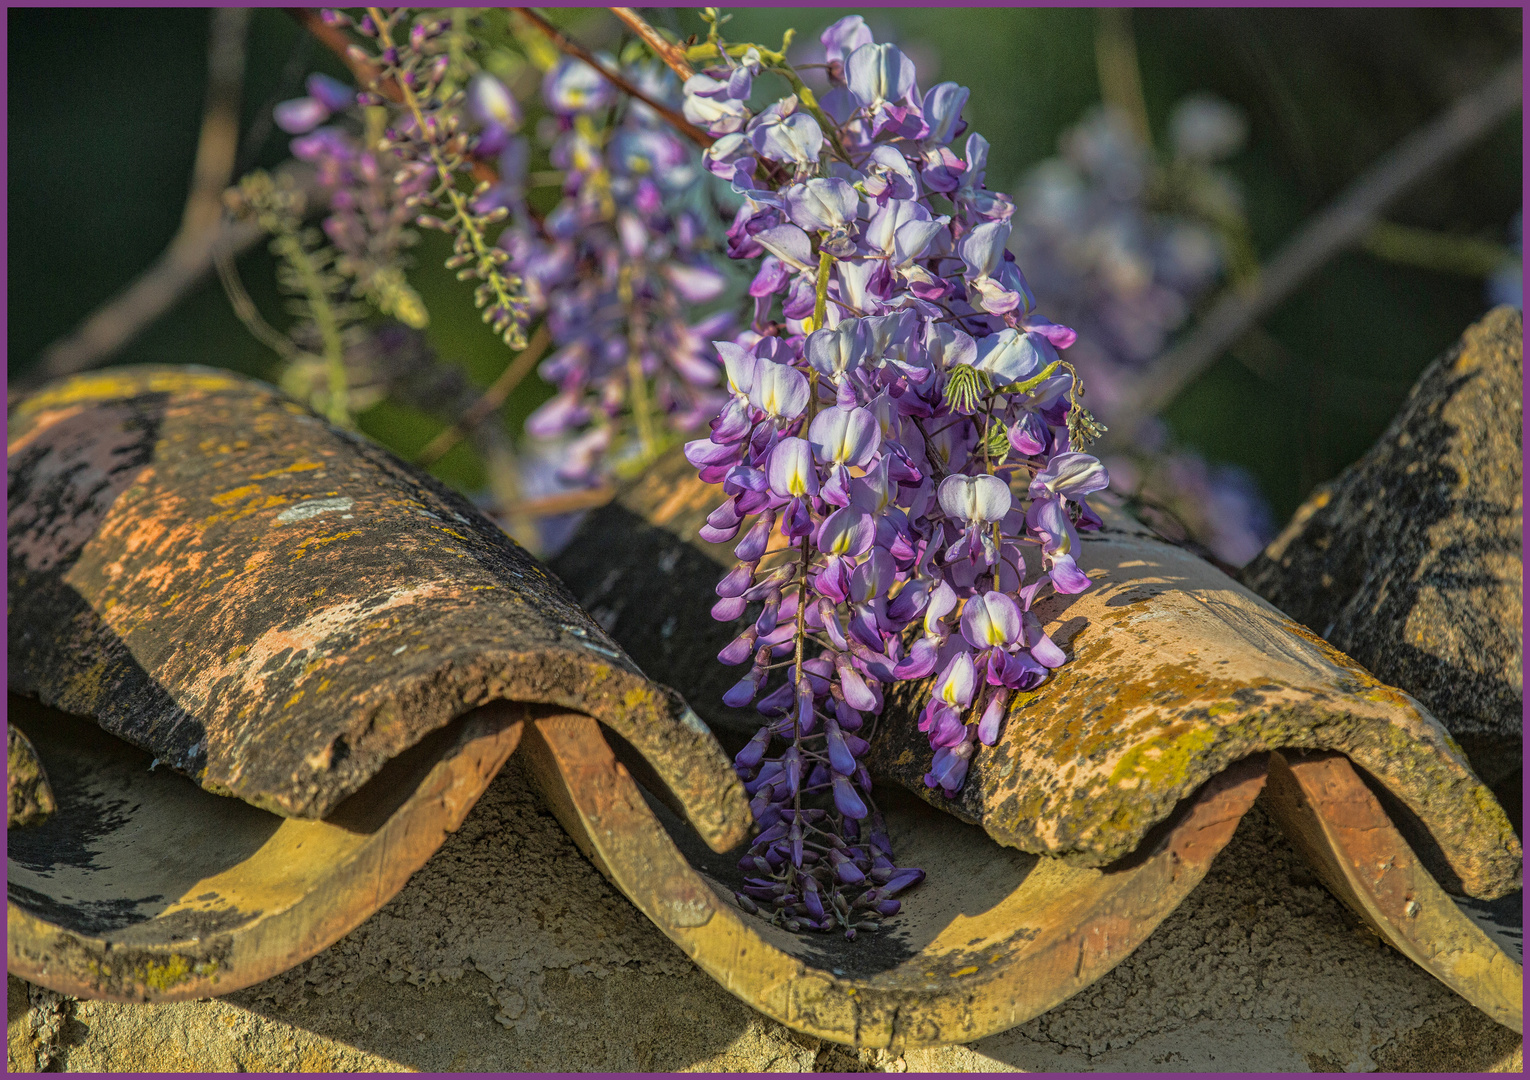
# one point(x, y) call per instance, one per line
point(104, 107)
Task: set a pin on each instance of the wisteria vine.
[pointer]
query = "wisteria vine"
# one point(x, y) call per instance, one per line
point(899, 445)
point(619, 269)
point(427, 137)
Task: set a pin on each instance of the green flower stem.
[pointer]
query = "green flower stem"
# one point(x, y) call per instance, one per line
point(820, 315)
point(637, 382)
point(487, 266)
point(821, 293)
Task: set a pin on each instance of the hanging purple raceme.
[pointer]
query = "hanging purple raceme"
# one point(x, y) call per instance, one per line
point(619, 268)
point(370, 214)
point(427, 136)
point(900, 435)
point(900, 446)
point(1127, 272)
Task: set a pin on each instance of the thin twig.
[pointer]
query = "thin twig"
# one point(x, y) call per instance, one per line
point(218, 142)
point(578, 51)
point(1344, 223)
point(1444, 252)
point(1115, 55)
point(564, 503)
point(245, 309)
point(492, 398)
point(335, 40)
point(670, 53)
point(189, 255)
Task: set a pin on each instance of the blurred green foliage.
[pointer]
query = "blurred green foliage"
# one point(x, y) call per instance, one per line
point(105, 106)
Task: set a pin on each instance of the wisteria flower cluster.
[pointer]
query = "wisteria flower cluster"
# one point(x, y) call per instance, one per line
point(900, 435)
point(899, 443)
point(618, 268)
point(370, 209)
point(1123, 246)
point(1107, 247)
point(428, 138)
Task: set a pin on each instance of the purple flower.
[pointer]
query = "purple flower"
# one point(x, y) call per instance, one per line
point(949, 769)
point(710, 105)
point(1010, 356)
point(740, 366)
point(947, 346)
point(971, 195)
point(878, 74)
point(903, 231)
point(731, 153)
point(771, 278)
point(695, 284)
point(780, 391)
point(650, 152)
point(980, 498)
point(982, 251)
point(822, 204)
point(1072, 475)
point(889, 175)
point(845, 436)
point(957, 682)
point(844, 37)
point(332, 93)
point(846, 800)
point(1043, 648)
point(848, 531)
point(988, 726)
point(489, 102)
point(789, 244)
point(840, 759)
point(942, 602)
point(839, 351)
point(943, 106)
point(750, 756)
point(572, 86)
point(781, 133)
point(1058, 539)
point(1028, 434)
point(989, 619)
point(300, 114)
point(873, 577)
point(791, 470)
point(556, 416)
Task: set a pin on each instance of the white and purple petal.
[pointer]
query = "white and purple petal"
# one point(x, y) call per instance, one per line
point(958, 681)
point(779, 390)
point(846, 436)
point(822, 204)
point(990, 619)
point(1072, 475)
point(980, 498)
point(848, 531)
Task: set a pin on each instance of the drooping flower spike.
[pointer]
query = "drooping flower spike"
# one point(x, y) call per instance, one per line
point(901, 419)
point(620, 270)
